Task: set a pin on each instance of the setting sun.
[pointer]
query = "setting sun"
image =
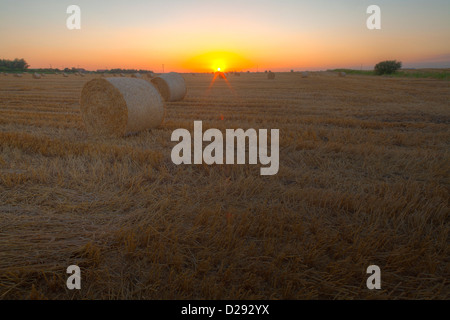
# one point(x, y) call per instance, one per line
point(221, 61)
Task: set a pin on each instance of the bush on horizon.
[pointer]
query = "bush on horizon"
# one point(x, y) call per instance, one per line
point(387, 67)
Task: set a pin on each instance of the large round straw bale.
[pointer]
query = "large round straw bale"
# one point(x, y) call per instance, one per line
point(305, 74)
point(271, 75)
point(120, 106)
point(171, 86)
point(36, 76)
point(342, 74)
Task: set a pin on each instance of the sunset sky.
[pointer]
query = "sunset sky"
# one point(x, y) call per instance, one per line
point(201, 36)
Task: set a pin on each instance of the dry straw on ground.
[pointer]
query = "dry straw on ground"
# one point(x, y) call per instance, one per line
point(119, 106)
point(363, 180)
point(171, 86)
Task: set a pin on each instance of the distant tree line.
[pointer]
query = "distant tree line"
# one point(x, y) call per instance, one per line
point(127, 71)
point(13, 65)
point(21, 65)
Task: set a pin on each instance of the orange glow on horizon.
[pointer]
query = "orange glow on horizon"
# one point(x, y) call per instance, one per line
point(217, 61)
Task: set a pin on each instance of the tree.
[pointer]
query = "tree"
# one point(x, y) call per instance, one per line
point(387, 67)
point(16, 64)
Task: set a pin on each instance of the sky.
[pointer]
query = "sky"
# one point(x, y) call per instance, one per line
point(202, 36)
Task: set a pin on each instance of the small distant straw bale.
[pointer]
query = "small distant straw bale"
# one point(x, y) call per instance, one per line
point(65, 75)
point(136, 75)
point(120, 106)
point(36, 76)
point(171, 86)
point(342, 74)
point(271, 75)
point(305, 74)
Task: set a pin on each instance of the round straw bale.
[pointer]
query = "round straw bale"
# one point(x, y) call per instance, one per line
point(18, 75)
point(36, 76)
point(271, 75)
point(65, 75)
point(171, 86)
point(136, 75)
point(305, 74)
point(120, 106)
point(342, 74)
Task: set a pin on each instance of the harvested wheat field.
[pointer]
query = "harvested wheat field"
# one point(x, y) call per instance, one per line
point(363, 179)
